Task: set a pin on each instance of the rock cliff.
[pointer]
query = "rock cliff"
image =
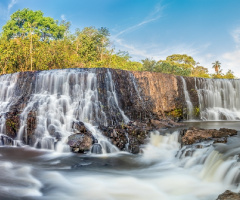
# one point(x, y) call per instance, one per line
point(48, 101)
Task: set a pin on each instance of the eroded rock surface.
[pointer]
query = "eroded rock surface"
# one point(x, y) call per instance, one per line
point(194, 135)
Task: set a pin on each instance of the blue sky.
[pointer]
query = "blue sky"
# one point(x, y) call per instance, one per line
point(208, 30)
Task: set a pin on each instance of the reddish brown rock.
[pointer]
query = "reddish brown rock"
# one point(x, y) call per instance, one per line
point(194, 135)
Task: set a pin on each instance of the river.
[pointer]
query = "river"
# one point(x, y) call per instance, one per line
point(163, 171)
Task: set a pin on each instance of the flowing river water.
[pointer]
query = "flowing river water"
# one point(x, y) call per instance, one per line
point(163, 171)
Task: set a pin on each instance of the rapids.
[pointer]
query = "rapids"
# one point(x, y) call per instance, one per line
point(163, 171)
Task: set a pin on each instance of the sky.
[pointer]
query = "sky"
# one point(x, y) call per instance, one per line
point(207, 30)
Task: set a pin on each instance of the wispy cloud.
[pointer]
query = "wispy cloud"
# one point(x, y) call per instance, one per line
point(159, 52)
point(63, 17)
point(236, 36)
point(231, 61)
point(153, 16)
point(5, 11)
point(11, 4)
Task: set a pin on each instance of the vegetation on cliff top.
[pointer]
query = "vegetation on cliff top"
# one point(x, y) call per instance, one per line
point(30, 41)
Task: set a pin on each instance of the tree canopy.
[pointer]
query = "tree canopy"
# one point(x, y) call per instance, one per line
point(32, 41)
point(25, 22)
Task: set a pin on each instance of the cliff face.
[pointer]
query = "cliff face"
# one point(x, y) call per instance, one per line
point(48, 102)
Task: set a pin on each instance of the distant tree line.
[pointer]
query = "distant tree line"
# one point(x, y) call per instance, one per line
point(30, 41)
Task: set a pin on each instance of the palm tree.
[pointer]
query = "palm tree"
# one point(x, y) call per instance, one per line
point(216, 66)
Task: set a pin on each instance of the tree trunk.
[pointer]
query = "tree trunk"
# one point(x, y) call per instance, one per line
point(31, 46)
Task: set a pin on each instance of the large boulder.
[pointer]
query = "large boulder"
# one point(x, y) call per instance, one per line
point(194, 135)
point(229, 195)
point(80, 142)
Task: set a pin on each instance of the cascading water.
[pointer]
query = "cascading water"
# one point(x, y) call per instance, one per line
point(7, 94)
point(61, 98)
point(219, 99)
point(188, 100)
point(112, 96)
point(58, 99)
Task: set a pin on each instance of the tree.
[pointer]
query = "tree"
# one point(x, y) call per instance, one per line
point(26, 23)
point(148, 64)
point(200, 71)
point(182, 60)
point(216, 66)
point(229, 75)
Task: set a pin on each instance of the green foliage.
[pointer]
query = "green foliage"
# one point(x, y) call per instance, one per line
point(220, 75)
point(197, 111)
point(31, 41)
point(200, 71)
point(149, 64)
point(176, 113)
point(181, 60)
point(25, 22)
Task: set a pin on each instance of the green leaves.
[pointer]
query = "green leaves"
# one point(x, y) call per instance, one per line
point(23, 22)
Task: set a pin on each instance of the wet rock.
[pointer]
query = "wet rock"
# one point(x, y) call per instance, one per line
point(6, 141)
point(79, 126)
point(80, 142)
point(12, 124)
point(229, 195)
point(194, 135)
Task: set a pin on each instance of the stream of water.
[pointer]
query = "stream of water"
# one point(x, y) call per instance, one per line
point(163, 171)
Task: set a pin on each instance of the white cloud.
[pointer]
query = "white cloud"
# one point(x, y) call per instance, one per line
point(236, 36)
point(231, 60)
point(153, 16)
point(4, 11)
point(11, 4)
point(63, 17)
point(157, 51)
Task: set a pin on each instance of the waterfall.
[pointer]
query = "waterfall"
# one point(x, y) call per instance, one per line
point(7, 94)
point(59, 98)
point(188, 100)
point(112, 96)
point(219, 99)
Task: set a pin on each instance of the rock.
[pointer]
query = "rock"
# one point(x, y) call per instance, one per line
point(79, 126)
point(194, 135)
point(12, 124)
point(229, 195)
point(80, 142)
point(6, 141)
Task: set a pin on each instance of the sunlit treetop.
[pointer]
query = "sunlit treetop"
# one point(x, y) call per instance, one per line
point(23, 22)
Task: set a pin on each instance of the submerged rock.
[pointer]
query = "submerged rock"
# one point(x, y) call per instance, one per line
point(194, 135)
point(229, 195)
point(6, 141)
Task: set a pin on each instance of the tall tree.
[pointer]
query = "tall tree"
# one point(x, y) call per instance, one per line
point(216, 66)
point(26, 23)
